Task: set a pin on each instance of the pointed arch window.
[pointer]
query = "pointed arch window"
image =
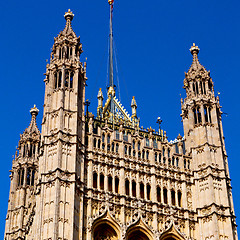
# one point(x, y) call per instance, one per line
point(102, 182)
point(179, 199)
point(127, 187)
point(173, 197)
point(141, 190)
point(116, 185)
point(158, 194)
point(148, 192)
point(95, 177)
point(110, 183)
point(134, 188)
point(165, 196)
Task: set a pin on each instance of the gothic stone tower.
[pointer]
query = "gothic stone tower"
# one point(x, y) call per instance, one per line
point(89, 177)
point(22, 200)
point(203, 131)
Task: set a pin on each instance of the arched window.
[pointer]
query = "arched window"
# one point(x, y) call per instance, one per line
point(66, 80)
point(117, 147)
point(158, 194)
point(129, 151)
point(112, 147)
point(148, 192)
point(133, 144)
point(134, 188)
point(59, 79)
point(71, 79)
point(160, 157)
point(155, 143)
point(110, 183)
point(169, 162)
point(56, 79)
point(173, 161)
point(165, 196)
point(179, 199)
point(173, 197)
point(125, 150)
point(163, 151)
point(147, 155)
point(127, 187)
point(60, 53)
point(103, 137)
point(117, 134)
point(102, 182)
point(21, 177)
point(99, 143)
point(95, 142)
point(95, 177)
point(164, 160)
point(108, 147)
point(108, 138)
point(139, 146)
point(139, 155)
point(169, 152)
point(147, 142)
point(141, 190)
point(177, 162)
point(103, 146)
point(134, 153)
point(188, 164)
point(156, 157)
point(185, 163)
point(116, 185)
point(143, 154)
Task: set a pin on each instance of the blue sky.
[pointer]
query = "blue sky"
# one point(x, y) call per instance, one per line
point(152, 40)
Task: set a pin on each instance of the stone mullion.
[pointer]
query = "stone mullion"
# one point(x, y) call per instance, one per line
point(202, 113)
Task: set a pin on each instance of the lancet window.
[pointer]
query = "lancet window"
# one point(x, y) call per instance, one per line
point(116, 185)
point(101, 181)
point(30, 176)
point(21, 176)
point(179, 199)
point(110, 183)
point(68, 83)
point(134, 188)
point(173, 197)
point(158, 194)
point(58, 79)
point(165, 196)
point(197, 115)
point(127, 187)
point(207, 113)
point(148, 192)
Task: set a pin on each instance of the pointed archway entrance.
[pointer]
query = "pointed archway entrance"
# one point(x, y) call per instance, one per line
point(105, 228)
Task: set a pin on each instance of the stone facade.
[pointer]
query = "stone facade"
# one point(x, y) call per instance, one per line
point(104, 177)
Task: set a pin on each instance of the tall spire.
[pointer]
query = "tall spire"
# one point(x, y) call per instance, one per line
point(111, 45)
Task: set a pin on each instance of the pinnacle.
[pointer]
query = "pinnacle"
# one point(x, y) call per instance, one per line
point(194, 49)
point(69, 15)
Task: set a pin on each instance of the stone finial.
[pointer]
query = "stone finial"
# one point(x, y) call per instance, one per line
point(133, 103)
point(100, 94)
point(194, 49)
point(179, 137)
point(34, 111)
point(110, 2)
point(69, 15)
